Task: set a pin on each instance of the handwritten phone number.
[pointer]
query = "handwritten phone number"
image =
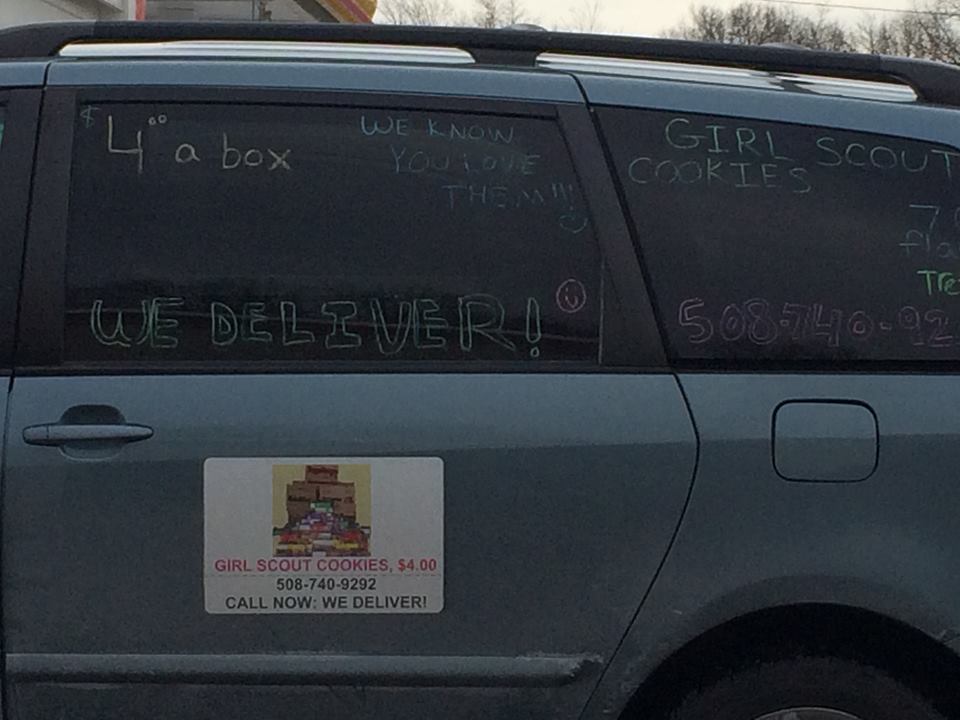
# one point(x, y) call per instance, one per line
point(762, 323)
point(326, 583)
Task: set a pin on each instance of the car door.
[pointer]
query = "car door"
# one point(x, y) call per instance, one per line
point(329, 402)
point(19, 105)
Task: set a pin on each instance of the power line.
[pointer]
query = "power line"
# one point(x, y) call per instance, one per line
point(865, 8)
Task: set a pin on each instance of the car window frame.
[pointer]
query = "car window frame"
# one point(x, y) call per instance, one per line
point(630, 338)
point(20, 114)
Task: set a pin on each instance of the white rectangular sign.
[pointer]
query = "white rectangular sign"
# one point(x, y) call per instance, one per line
point(323, 535)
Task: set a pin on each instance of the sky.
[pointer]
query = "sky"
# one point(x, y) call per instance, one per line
point(650, 17)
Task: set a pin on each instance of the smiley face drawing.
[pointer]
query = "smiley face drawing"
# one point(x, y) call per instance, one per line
point(571, 296)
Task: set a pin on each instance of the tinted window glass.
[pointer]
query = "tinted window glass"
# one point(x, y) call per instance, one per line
point(315, 233)
point(9, 283)
point(781, 241)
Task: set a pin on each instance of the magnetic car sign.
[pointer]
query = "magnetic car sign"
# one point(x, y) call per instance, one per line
point(323, 535)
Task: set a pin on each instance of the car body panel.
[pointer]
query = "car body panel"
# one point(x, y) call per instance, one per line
point(23, 73)
point(751, 540)
point(553, 470)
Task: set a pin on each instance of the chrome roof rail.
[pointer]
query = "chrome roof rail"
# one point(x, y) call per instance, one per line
point(933, 82)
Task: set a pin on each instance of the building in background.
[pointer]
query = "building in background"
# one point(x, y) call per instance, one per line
point(352, 11)
point(21, 12)
point(260, 10)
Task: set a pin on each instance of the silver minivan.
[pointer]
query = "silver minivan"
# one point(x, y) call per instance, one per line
point(374, 373)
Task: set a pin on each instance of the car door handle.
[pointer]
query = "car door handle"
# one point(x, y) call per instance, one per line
point(57, 434)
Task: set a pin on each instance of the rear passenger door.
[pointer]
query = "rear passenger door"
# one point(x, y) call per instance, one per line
point(340, 389)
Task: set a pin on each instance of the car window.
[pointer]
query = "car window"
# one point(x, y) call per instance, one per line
point(12, 215)
point(254, 232)
point(769, 241)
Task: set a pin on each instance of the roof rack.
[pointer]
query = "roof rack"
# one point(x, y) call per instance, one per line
point(933, 82)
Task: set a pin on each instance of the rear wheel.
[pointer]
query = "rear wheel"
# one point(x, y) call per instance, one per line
point(807, 688)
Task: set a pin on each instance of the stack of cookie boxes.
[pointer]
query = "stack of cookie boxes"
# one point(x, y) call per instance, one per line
point(322, 514)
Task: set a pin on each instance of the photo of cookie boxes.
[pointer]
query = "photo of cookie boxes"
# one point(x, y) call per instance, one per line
point(322, 518)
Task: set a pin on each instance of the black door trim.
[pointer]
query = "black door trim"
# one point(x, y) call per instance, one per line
point(363, 670)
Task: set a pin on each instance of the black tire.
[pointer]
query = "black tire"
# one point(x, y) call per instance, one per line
point(806, 682)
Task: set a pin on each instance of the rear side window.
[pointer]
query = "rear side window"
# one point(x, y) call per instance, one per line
point(770, 241)
point(253, 232)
